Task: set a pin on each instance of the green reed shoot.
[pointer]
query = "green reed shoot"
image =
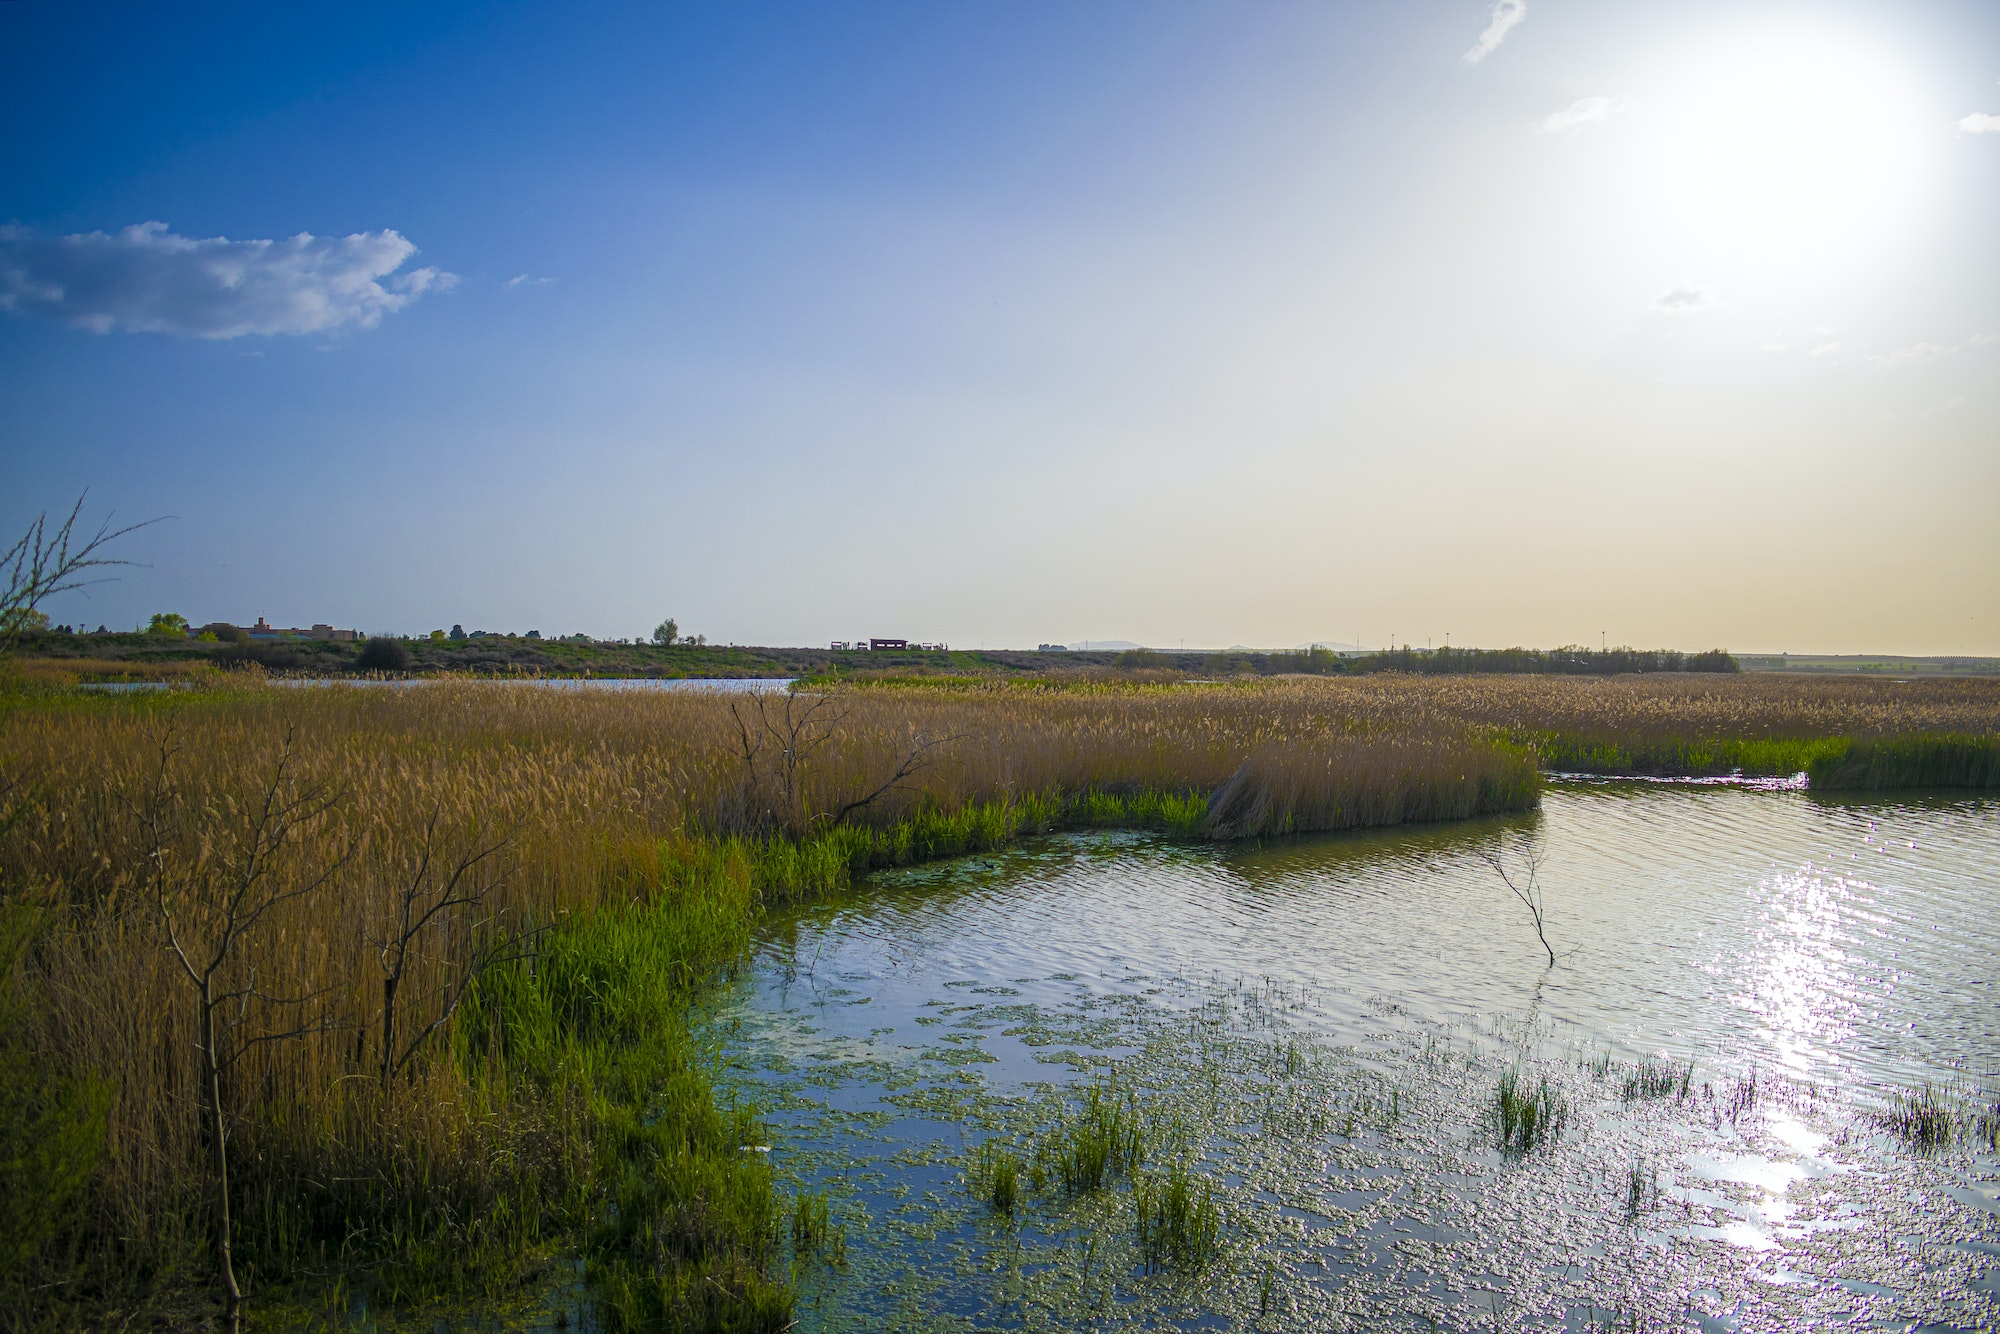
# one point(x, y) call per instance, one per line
point(813, 1228)
point(1652, 1079)
point(1527, 1119)
point(1180, 1226)
point(1104, 1139)
point(996, 1176)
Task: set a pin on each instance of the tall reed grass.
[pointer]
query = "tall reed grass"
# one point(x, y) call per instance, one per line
point(536, 1096)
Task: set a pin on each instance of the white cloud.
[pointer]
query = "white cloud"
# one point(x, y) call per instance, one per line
point(148, 279)
point(1824, 350)
point(1582, 112)
point(523, 280)
point(1683, 299)
point(1506, 13)
point(1979, 123)
point(1773, 346)
point(1980, 340)
point(1917, 354)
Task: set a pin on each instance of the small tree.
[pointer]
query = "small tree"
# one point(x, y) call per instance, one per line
point(21, 621)
point(667, 633)
point(168, 625)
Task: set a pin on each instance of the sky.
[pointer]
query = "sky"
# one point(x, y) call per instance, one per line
point(1675, 324)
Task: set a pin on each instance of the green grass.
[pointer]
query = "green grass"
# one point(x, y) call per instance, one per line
point(1831, 764)
point(996, 1176)
point(1180, 1226)
point(51, 1128)
point(1652, 1079)
point(1527, 1119)
point(1680, 757)
point(813, 1230)
point(684, 1221)
point(1927, 1120)
point(1103, 1140)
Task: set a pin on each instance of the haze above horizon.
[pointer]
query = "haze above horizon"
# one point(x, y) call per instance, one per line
point(1518, 321)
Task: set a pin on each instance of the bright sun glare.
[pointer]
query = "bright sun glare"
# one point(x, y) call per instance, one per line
point(1793, 145)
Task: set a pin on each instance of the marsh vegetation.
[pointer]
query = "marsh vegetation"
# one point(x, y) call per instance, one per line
point(368, 1000)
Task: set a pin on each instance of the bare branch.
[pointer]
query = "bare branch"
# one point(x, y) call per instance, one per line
point(42, 564)
point(914, 763)
point(1529, 891)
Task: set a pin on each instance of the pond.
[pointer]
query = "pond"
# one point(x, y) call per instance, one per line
point(1294, 1050)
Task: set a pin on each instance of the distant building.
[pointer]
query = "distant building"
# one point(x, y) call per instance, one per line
point(263, 629)
point(877, 645)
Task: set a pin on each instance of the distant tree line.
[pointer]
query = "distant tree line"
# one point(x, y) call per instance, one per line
point(1572, 660)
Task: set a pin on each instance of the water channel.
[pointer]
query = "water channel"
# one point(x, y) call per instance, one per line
point(1315, 1029)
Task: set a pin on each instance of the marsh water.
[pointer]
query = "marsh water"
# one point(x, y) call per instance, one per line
point(1313, 1030)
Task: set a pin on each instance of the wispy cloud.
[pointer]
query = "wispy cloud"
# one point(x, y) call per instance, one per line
point(146, 278)
point(1683, 299)
point(1980, 123)
point(1980, 340)
point(1824, 350)
point(523, 280)
point(1773, 346)
point(1916, 354)
point(1584, 111)
point(1506, 13)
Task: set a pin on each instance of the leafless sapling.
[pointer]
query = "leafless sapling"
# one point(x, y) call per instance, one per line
point(1526, 884)
point(797, 734)
point(441, 911)
point(212, 886)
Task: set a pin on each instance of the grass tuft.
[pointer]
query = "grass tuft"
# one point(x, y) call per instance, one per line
point(1652, 1079)
point(813, 1230)
point(996, 1176)
point(1180, 1225)
point(1527, 1119)
point(1923, 1119)
point(1103, 1140)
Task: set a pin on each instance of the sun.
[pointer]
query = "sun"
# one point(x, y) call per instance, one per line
point(1790, 144)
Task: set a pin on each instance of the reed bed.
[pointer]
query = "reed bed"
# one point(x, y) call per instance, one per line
point(454, 1048)
point(443, 941)
point(1700, 725)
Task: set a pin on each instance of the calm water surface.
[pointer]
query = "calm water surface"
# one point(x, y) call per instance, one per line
point(1315, 1029)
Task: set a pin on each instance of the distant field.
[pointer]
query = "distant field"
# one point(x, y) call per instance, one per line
point(1867, 664)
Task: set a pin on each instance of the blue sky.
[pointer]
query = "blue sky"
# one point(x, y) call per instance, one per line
point(1012, 323)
